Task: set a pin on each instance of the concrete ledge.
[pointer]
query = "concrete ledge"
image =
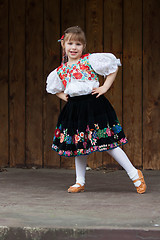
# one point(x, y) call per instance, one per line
point(27, 233)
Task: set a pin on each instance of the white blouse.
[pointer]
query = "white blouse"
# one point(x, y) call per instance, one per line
point(102, 63)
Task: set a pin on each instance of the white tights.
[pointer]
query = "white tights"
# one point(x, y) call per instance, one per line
point(118, 154)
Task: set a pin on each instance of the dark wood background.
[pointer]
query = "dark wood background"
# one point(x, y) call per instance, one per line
point(29, 31)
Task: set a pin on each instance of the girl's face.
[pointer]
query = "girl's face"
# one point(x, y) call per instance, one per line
point(73, 49)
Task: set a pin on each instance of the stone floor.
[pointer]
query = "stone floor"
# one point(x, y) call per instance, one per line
point(35, 204)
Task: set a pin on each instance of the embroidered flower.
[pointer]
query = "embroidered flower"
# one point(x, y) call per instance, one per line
point(55, 147)
point(60, 152)
point(93, 141)
point(87, 129)
point(64, 83)
point(95, 148)
point(117, 128)
point(57, 132)
point(92, 75)
point(101, 133)
point(77, 138)
point(69, 140)
point(111, 145)
point(91, 148)
point(123, 140)
point(81, 150)
point(96, 126)
point(94, 134)
point(84, 67)
point(90, 135)
point(82, 134)
point(84, 144)
point(108, 131)
point(61, 137)
point(75, 152)
point(85, 55)
point(116, 136)
point(68, 153)
point(78, 75)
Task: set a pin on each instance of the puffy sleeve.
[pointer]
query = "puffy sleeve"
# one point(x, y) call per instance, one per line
point(54, 83)
point(104, 63)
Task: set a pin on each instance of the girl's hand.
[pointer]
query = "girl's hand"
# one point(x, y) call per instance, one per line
point(107, 84)
point(100, 91)
point(62, 96)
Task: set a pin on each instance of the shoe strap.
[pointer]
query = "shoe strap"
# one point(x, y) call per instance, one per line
point(138, 179)
point(79, 184)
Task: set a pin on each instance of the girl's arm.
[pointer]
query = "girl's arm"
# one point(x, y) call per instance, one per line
point(106, 86)
point(62, 96)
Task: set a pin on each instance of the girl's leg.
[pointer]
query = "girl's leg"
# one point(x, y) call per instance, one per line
point(119, 155)
point(80, 165)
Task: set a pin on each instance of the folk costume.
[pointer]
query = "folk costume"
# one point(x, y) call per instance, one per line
point(86, 124)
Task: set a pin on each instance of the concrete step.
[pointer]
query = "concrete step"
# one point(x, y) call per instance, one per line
point(36, 202)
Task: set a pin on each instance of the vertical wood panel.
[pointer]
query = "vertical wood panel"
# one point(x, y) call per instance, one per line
point(151, 85)
point(17, 82)
point(113, 44)
point(51, 61)
point(94, 33)
point(102, 21)
point(73, 14)
point(132, 79)
point(4, 83)
point(34, 72)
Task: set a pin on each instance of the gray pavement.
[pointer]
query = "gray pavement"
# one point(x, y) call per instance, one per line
point(34, 204)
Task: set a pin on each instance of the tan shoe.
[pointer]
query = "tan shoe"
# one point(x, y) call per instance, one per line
point(76, 189)
point(142, 188)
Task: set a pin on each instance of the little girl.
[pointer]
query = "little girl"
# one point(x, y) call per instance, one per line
point(88, 122)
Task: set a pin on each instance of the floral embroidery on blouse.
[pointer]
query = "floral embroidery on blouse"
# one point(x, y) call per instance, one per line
point(81, 71)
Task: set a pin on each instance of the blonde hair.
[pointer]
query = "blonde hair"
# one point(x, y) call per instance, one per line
point(75, 33)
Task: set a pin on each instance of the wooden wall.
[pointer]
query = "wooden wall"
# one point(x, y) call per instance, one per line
point(29, 30)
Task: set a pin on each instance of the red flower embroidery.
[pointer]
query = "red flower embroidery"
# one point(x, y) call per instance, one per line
point(84, 67)
point(91, 148)
point(75, 152)
point(85, 55)
point(57, 133)
point(64, 83)
point(92, 75)
point(77, 75)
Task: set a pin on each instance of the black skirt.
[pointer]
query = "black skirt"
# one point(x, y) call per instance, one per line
point(87, 124)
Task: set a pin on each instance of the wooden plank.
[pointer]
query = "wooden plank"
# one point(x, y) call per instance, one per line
point(4, 148)
point(34, 83)
point(132, 79)
point(51, 61)
point(17, 82)
point(113, 44)
point(73, 14)
point(151, 85)
point(94, 33)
